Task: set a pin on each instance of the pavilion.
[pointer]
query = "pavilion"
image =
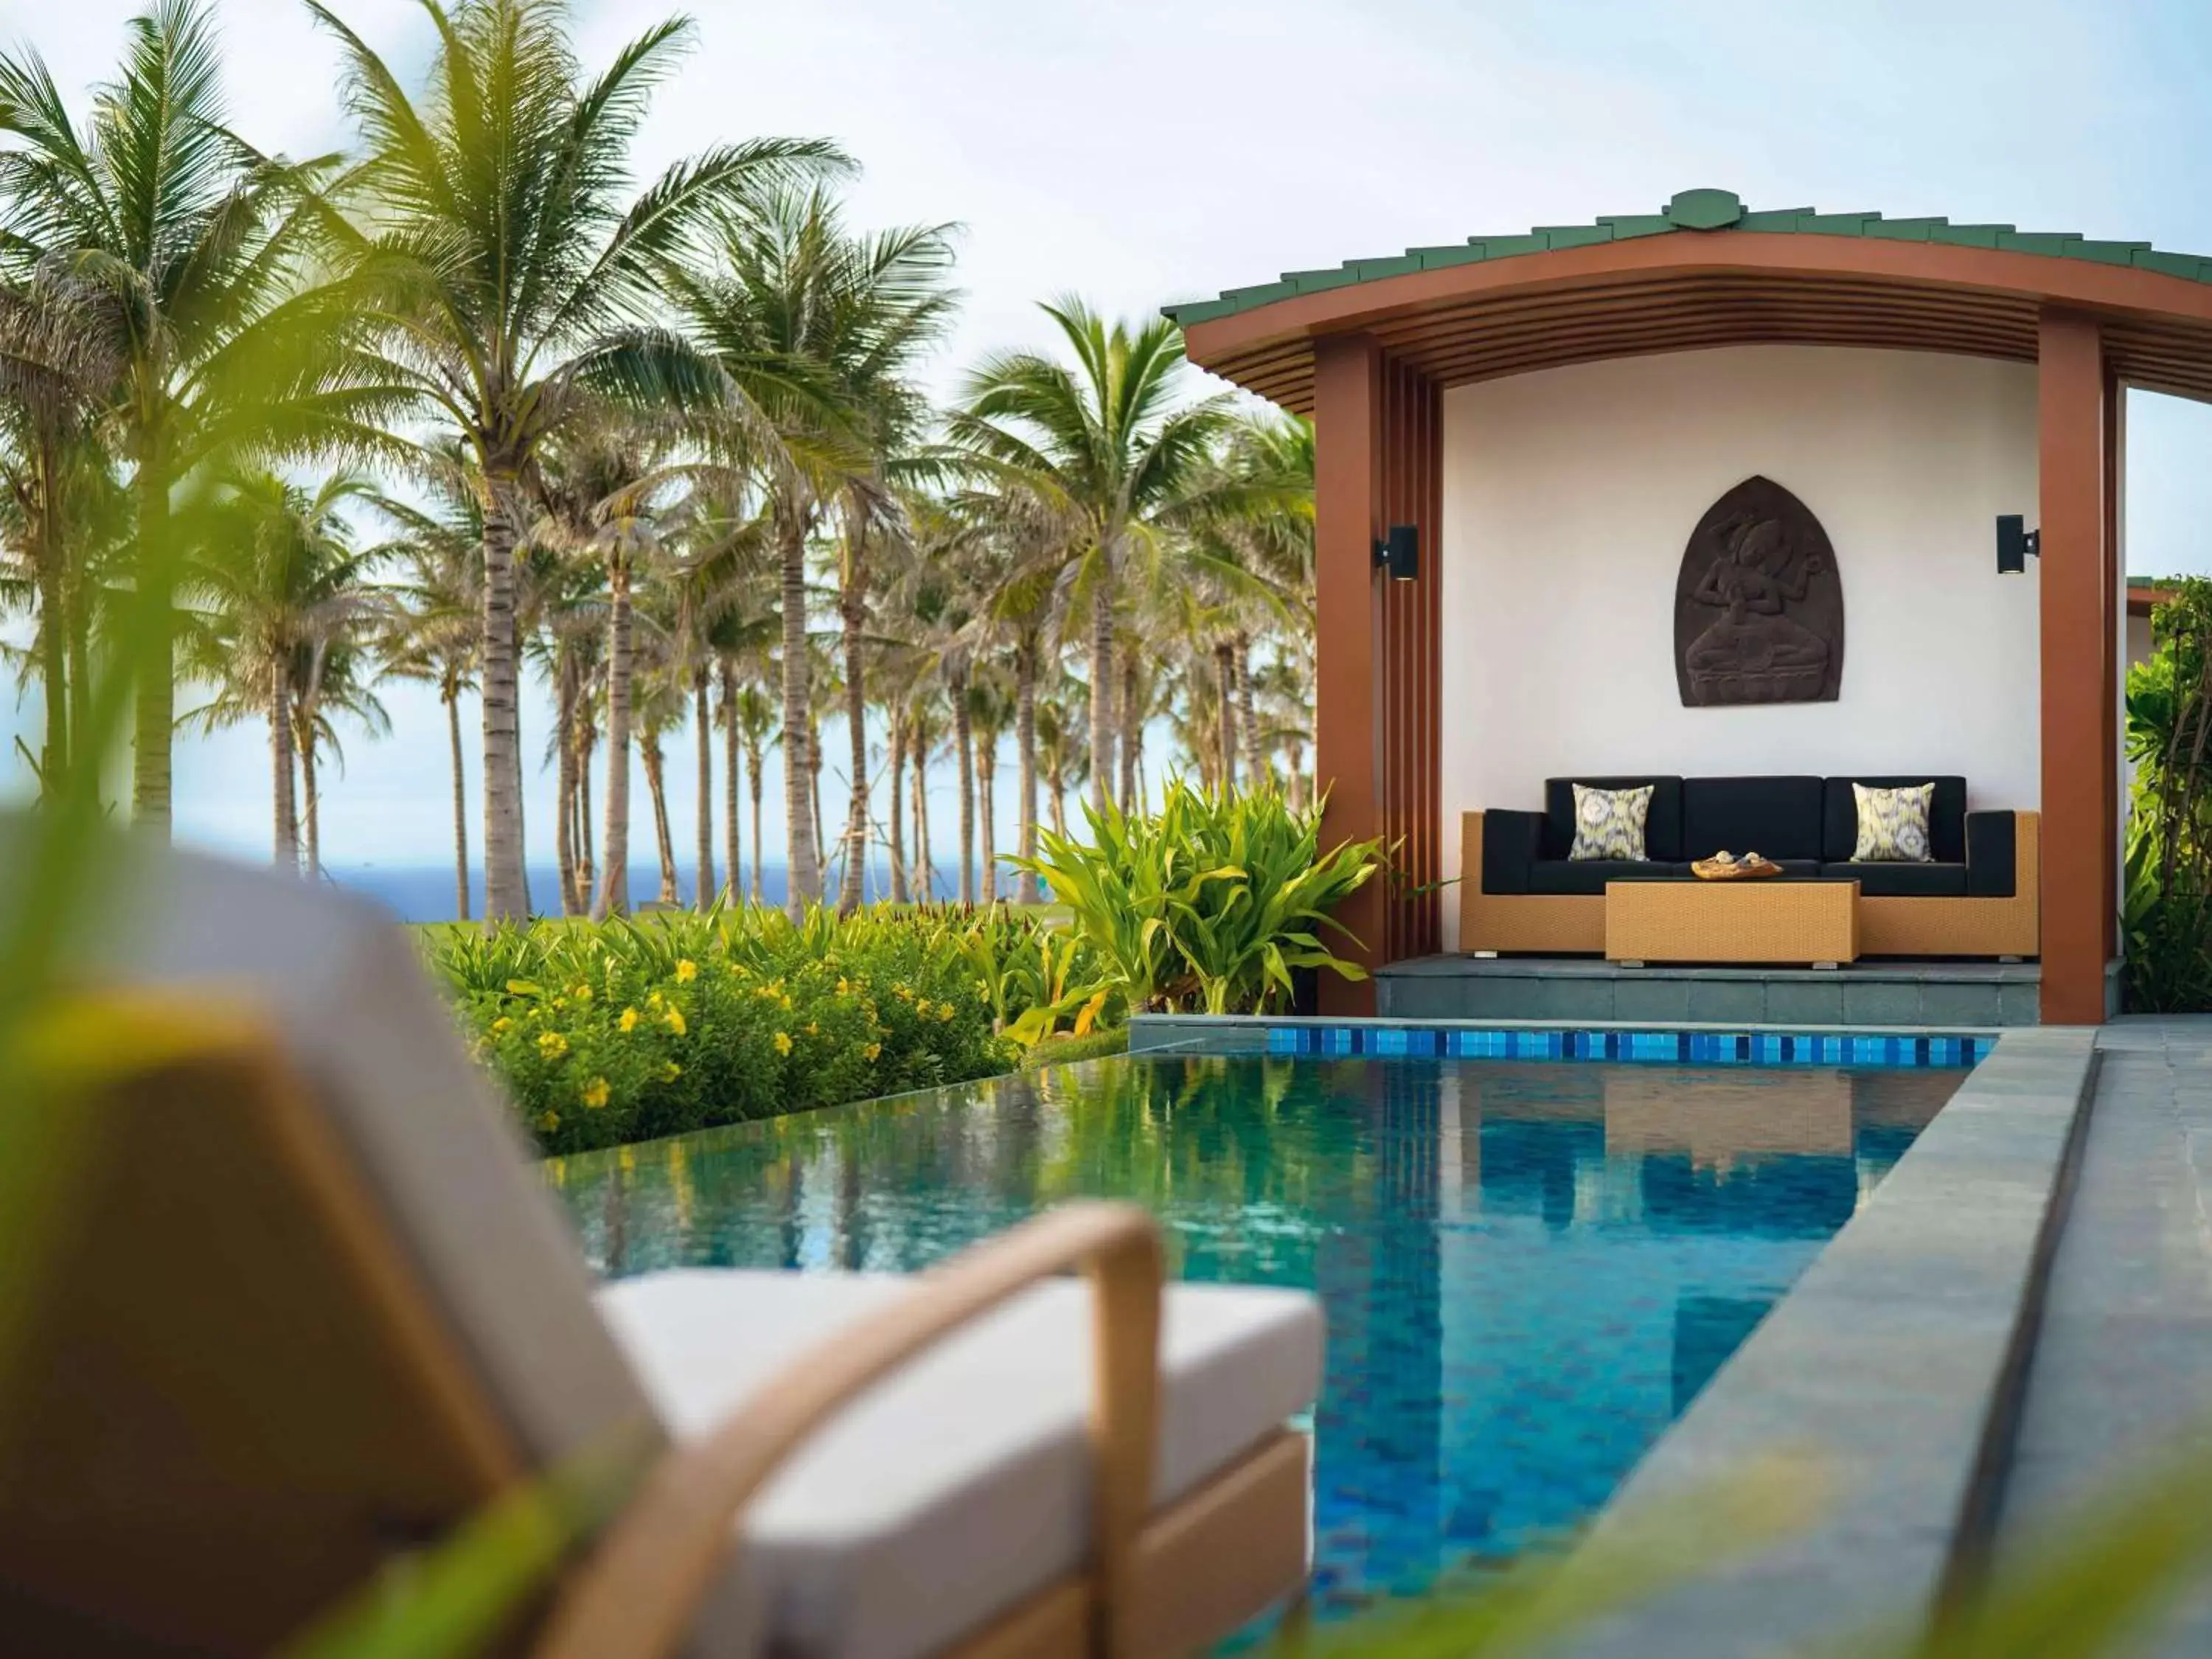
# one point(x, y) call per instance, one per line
point(1551, 410)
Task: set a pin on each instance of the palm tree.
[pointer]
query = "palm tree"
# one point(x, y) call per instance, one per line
point(282, 587)
point(1107, 441)
point(516, 286)
point(58, 373)
point(753, 717)
point(1062, 755)
point(197, 245)
point(334, 680)
point(432, 630)
point(821, 327)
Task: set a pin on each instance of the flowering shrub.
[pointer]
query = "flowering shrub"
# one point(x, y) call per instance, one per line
point(632, 1029)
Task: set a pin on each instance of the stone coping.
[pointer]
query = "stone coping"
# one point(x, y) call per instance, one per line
point(1921, 972)
point(1247, 1034)
point(1898, 1360)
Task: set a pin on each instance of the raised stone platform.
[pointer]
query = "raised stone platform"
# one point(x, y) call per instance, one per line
point(1946, 995)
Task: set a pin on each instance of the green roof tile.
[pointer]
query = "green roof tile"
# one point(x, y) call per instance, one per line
point(1702, 211)
point(2038, 241)
point(1902, 230)
point(1452, 253)
point(1835, 224)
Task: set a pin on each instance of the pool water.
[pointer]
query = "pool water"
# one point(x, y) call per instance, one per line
point(1530, 1268)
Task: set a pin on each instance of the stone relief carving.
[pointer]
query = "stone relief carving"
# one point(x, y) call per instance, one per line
point(1758, 607)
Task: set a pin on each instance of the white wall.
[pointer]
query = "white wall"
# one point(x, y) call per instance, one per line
point(1568, 496)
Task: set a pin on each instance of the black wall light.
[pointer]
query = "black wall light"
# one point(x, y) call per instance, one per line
point(2015, 541)
point(1399, 552)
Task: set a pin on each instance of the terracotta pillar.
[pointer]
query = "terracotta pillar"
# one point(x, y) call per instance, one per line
point(2079, 835)
point(1347, 479)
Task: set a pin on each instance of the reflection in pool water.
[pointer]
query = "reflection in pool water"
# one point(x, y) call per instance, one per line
point(1530, 1268)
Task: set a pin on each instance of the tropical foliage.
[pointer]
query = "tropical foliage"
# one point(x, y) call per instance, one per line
point(2167, 909)
point(469, 405)
point(1214, 903)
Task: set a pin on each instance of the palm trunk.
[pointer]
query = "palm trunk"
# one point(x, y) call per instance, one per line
point(1101, 695)
point(1026, 661)
point(986, 778)
point(753, 780)
point(804, 873)
point(814, 783)
point(574, 900)
point(587, 744)
point(154, 699)
point(44, 529)
point(453, 701)
point(1133, 737)
point(614, 876)
point(732, 869)
point(964, 746)
point(850, 891)
point(1055, 790)
point(79, 679)
point(702, 891)
point(656, 787)
point(311, 802)
point(927, 889)
point(1248, 711)
point(506, 897)
point(1296, 757)
point(286, 853)
point(1225, 676)
point(897, 766)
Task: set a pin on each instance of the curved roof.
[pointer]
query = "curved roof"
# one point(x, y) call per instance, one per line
point(1705, 270)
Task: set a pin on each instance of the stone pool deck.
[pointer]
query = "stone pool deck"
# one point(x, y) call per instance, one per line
point(2019, 1316)
point(2123, 1367)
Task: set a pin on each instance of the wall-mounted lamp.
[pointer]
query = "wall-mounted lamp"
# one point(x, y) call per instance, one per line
point(1399, 552)
point(2015, 541)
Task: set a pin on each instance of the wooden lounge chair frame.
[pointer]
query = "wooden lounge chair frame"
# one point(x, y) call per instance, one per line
point(266, 1483)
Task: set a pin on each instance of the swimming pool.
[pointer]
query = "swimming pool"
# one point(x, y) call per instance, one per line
point(1529, 1267)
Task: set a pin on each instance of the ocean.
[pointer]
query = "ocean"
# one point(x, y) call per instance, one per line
point(425, 892)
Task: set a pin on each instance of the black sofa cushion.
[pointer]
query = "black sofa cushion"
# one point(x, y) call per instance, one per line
point(1591, 875)
point(1778, 817)
point(1992, 854)
point(1510, 841)
point(1662, 825)
point(1894, 880)
point(1947, 815)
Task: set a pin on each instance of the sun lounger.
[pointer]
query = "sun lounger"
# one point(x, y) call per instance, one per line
point(304, 1305)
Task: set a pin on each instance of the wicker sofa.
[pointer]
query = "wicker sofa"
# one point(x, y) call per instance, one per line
point(1520, 892)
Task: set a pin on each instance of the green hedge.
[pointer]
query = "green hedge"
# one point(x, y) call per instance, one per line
point(633, 1030)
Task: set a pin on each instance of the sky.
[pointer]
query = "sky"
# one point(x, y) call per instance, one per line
point(1142, 153)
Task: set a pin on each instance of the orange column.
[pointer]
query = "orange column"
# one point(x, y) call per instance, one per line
point(1347, 480)
point(2079, 833)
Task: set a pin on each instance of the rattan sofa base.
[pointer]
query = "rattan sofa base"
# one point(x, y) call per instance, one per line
point(1573, 924)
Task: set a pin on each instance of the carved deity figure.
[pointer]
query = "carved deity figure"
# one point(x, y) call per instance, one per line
point(1754, 653)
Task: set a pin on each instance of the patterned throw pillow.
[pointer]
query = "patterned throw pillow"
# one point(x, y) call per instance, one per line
point(1893, 824)
point(1609, 822)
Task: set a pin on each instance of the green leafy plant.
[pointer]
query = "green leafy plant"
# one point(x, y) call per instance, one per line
point(2167, 908)
point(1213, 902)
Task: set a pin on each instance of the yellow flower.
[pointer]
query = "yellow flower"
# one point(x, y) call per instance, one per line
point(595, 1092)
point(813, 1029)
point(784, 1003)
point(552, 1045)
point(548, 1122)
point(943, 1013)
point(560, 1002)
point(783, 1043)
point(871, 1050)
point(669, 1070)
point(844, 988)
point(902, 994)
point(766, 993)
point(654, 999)
point(628, 1020)
point(674, 1020)
point(581, 993)
point(502, 1024)
point(686, 971)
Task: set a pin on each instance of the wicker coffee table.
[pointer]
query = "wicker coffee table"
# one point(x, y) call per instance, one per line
point(1778, 921)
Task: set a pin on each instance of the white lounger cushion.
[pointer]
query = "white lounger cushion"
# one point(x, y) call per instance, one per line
point(960, 1487)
